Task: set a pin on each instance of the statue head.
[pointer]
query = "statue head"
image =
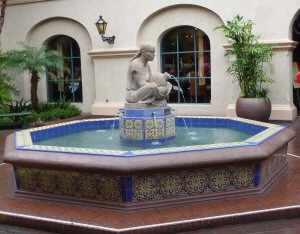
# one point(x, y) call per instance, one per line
point(147, 49)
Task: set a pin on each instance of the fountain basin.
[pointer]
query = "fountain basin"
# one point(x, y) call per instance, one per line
point(143, 178)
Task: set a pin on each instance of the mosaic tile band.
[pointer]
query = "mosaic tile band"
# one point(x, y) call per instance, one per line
point(150, 187)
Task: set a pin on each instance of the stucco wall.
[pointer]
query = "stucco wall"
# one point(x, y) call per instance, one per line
point(104, 66)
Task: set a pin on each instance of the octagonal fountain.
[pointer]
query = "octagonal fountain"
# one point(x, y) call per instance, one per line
point(155, 159)
point(143, 177)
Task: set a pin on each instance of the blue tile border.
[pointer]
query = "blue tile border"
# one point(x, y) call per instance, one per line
point(264, 132)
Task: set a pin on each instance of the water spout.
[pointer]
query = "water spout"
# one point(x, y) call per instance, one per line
point(155, 129)
point(121, 111)
point(180, 89)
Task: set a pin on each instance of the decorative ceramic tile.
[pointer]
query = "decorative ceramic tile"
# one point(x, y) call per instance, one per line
point(138, 124)
point(149, 124)
point(170, 132)
point(72, 184)
point(192, 182)
point(273, 163)
point(150, 134)
point(170, 122)
point(129, 123)
point(145, 187)
point(138, 135)
point(160, 133)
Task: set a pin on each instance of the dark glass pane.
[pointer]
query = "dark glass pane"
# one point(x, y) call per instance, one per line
point(77, 69)
point(68, 89)
point(64, 46)
point(186, 64)
point(173, 95)
point(186, 39)
point(198, 91)
point(75, 49)
point(184, 86)
point(170, 42)
point(52, 45)
point(203, 64)
point(67, 75)
point(77, 90)
point(169, 64)
point(202, 41)
point(55, 73)
point(53, 91)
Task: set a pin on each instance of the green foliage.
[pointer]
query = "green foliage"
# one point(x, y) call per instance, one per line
point(6, 87)
point(36, 61)
point(61, 104)
point(59, 113)
point(252, 59)
point(34, 117)
point(19, 106)
point(48, 111)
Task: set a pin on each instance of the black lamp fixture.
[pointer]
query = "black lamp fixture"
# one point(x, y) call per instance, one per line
point(101, 26)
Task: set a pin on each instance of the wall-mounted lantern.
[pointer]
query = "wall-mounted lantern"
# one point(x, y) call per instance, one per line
point(101, 26)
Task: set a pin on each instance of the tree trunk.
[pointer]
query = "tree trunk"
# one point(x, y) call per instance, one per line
point(3, 7)
point(33, 90)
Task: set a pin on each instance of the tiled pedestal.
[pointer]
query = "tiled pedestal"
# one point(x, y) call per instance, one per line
point(147, 124)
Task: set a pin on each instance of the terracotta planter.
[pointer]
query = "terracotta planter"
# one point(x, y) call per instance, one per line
point(254, 108)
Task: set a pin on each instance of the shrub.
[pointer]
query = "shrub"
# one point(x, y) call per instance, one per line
point(34, 117)
point(47, 106)
point(58, 113)
point(47, 112)
point(19, 106)
point(252, 58)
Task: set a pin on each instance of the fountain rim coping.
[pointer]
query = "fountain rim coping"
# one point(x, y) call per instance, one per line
point(147, 163)
point(24, 141)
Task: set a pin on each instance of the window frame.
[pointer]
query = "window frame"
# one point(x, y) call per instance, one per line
point(60, 80)
point(178, 53)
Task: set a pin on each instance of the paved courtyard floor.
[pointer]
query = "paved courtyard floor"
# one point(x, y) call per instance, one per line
point(275, 211)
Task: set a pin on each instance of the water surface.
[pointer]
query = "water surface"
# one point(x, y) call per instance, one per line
point(107, 138)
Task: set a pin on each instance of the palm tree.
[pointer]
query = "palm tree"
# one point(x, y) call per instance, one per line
point(3, 8)
point(6, 87)
point(36, 61)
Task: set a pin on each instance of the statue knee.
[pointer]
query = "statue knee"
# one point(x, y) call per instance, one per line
point(153, 86)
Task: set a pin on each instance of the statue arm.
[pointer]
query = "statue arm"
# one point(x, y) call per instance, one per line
point(139, 79)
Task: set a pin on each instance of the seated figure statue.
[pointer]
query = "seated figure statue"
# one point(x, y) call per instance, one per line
point(142, 86)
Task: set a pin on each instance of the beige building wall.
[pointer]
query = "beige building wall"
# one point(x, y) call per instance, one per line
point(104, 66)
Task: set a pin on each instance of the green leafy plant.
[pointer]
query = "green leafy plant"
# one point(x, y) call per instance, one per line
point(36, 61)
point(252, 58)
point(59, 113)
point(19, 106)
point(34, 117)
point(6, 87)
point(62, 104)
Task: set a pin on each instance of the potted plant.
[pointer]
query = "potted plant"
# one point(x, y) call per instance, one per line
point(251, 64)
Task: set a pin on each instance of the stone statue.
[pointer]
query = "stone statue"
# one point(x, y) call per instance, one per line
point(142, 86)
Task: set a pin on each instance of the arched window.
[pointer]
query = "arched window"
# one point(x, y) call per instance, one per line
point(68, 85)
point(185, 54)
